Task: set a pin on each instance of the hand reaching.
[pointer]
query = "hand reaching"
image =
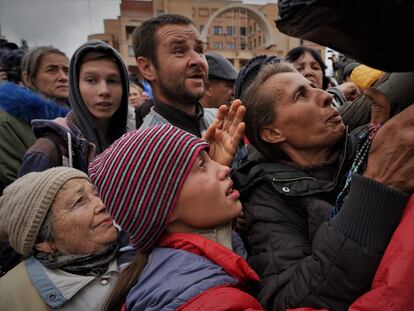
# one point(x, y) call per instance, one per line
point(391, 159)
point(381, 105)
point(350, 90)
point(225, 133)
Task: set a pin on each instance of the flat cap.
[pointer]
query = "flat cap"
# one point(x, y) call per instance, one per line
point(220, 68)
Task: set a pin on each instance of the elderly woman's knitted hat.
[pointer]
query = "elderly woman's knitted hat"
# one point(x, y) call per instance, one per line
point(140, 176)
point(25, 203)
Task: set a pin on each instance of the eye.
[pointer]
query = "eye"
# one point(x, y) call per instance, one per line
point(90, 80)
point(316, 68)
point(200, 51)
point(179, 51)
point(114, 81)
point(302, 93)
point(201, 163)
point(79, 203)
point(51, 69)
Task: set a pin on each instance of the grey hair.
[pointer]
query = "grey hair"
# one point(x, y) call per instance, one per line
point(31, 61)
point(260, 106)
point(45, 232)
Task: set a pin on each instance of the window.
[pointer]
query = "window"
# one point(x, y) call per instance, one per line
point(218, 45)
point(243, 46)
point(129, 30)
point(130, 51)
point(203, 12)
point(217, 30)
point(230, 30)
point(242, 31)
point(230, 46)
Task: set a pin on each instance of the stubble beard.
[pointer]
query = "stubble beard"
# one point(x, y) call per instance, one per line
point(176, 91)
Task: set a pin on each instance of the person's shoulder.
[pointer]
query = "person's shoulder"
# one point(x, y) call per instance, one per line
point(153, 119)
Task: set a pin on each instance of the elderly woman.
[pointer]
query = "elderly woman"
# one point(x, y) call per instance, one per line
point(45, 77)
point(56, 219)
point(316, 233)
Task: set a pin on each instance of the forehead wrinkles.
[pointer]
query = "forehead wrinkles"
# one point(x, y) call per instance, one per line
point(273, 87)
point(178, 33)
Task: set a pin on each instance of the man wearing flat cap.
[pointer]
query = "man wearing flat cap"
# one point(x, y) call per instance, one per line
point(221, 78)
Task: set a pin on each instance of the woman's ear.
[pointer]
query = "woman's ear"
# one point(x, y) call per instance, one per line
point(26, 80)
point(45, 247)
point(146, 68)
point(271, 135)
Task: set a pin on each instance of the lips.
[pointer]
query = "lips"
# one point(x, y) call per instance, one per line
point(104, 105)
point(106, 221)
point(334, 116)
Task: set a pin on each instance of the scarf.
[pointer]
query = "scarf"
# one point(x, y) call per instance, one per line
point(220, 235)
point(94, 264)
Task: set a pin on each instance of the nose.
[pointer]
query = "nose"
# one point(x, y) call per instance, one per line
point(103, 89)
point(99, 206)
point(197, 59)
point(223, 171)
point(63, 75)
point(326, 98)
point(308, 72)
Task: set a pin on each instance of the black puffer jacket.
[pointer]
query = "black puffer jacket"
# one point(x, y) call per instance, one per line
point(303, 259)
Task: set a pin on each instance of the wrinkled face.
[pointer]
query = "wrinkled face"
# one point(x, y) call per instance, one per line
point(304, 114)
point(207, 198)
point(100, 86)
point(80, 222)
point(221, 92)
point(182, 66)
point(52, 76)
point(310, 69)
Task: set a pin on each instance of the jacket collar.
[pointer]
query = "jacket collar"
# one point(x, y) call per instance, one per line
point(187, 122)
point(56, 287)
point(232, 263)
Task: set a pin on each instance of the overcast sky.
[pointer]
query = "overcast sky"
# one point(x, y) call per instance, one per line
point(63, 23)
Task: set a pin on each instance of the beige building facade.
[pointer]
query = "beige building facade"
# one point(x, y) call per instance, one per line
point(231, 28)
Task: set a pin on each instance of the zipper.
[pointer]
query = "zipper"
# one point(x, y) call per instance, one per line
point(294, 179)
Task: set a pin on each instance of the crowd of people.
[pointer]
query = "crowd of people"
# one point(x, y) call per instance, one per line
point(193, 186)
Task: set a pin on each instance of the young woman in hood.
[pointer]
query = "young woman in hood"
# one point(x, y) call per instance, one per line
point(98, 95)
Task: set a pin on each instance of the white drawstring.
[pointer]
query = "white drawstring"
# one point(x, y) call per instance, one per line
point(70, 149)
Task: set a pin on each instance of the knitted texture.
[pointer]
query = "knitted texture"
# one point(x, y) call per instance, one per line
point(249, 72)
point(25, 203)
point(140, 176)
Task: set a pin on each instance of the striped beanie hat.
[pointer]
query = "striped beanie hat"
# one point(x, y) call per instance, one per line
point(140, 176)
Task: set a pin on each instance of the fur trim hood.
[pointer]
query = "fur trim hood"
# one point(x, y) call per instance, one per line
point(27, 105)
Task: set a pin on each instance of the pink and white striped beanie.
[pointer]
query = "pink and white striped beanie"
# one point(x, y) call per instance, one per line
point(140, 176)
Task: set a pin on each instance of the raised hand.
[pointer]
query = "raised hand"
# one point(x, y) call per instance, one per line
point(381, 105)
point(225, 132)
point(391, 157)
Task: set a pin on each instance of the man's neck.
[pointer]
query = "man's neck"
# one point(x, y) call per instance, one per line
point(183, 105)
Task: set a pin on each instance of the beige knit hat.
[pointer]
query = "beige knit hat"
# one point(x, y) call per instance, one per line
point(25, 203)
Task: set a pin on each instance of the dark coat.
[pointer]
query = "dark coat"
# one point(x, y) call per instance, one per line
point(302, 258)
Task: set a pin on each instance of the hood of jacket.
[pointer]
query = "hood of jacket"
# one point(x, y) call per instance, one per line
point(83, 118)
point(27, 105)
